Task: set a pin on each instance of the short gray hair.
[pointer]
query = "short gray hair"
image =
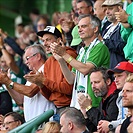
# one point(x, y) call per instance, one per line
point(38, 48)
point(74, 115)
point(95, 21)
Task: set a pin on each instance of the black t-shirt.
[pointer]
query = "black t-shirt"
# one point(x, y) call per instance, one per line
point(124, 125)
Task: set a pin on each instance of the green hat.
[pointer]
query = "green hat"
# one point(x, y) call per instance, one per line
point(76, 38)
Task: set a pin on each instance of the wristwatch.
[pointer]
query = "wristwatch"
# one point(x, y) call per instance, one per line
point(11, 85)
point(110, 126)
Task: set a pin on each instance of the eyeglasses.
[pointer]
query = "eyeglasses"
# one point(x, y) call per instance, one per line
point(7, 123)
point(28, 57)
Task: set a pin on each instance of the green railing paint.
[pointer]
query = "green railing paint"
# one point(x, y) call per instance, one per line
point(32, 125)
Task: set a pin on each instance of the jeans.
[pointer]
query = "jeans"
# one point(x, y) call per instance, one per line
point(56, 117)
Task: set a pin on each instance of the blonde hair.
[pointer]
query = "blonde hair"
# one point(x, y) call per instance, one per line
point(50, 127)
point(129, 78)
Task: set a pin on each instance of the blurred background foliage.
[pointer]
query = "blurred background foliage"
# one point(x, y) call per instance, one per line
point(10, 9)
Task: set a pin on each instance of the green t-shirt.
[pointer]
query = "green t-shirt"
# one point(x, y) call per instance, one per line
point(18, 77)
point(2, 88)
point(127, 34)
point(99, 56)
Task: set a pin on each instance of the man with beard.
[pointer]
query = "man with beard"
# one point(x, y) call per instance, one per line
point(111, 35)
point(102, 86)
point(120, 73)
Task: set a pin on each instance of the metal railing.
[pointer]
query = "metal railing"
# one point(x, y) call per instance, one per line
point(32, 125)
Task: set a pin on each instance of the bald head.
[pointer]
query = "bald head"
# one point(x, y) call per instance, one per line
point(99, 11)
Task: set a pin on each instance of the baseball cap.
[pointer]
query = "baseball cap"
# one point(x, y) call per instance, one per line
point(112, 2)
point(50, 30)
point(76, 38)
point(121, 67)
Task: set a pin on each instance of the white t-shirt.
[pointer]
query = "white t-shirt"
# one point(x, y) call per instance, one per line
point(36, 105)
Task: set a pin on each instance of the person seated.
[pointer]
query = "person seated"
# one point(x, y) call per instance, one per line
point(51, 127)
point(127, 101)
point(102, 86)
point(72, 121)
point(1, 121)
point(12, 120)
point(130, 127)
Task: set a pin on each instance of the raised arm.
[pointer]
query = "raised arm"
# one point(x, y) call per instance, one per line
point(45, 83)
point(69, 76)
point(8, 58)
point(84, 68)
point(12, 43)
point(18, 90)
point(122, 17)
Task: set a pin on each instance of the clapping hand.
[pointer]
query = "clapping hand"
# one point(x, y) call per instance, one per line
point(35, 77)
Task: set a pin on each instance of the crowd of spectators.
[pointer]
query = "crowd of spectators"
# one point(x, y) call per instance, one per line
point(79, 64)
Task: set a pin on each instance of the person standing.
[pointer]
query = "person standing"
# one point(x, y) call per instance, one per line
point(29, 94)
point(94, 54)
point(126, 20)
point(53, 80)
point(111, 35)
